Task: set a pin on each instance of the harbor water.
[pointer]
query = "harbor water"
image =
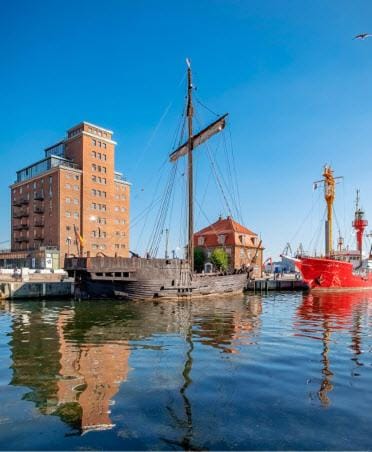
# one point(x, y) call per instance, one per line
point(273, 371)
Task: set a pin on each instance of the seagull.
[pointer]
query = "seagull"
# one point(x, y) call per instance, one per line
point(362, 36)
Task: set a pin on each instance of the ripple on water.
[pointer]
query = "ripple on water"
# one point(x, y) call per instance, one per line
point(252, 372)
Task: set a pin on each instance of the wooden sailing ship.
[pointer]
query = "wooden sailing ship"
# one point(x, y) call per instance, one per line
point(148, 278)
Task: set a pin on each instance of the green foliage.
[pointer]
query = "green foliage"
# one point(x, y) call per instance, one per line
point(220, 259)
point(199, 259)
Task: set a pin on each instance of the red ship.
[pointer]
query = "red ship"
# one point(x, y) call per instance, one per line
point(339, 270)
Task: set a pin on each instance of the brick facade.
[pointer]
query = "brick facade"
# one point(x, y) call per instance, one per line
point(74, 185)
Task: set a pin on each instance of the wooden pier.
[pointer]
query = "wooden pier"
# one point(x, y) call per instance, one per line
point(267, 284)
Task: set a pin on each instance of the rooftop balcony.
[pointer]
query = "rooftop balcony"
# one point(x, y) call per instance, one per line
point(44, 165)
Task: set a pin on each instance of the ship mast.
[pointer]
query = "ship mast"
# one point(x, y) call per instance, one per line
point(329, 183)
point(190, 171)
point(329, 195)
point(187, 148)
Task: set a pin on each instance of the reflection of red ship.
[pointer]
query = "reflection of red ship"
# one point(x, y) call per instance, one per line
point(340, 269)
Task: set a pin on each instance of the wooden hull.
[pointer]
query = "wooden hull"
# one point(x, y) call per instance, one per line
point(139, 279)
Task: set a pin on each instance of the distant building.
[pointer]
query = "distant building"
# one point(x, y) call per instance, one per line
point(243, 246)
point(75, 186)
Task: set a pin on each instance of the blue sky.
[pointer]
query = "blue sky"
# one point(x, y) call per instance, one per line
point(296, 85)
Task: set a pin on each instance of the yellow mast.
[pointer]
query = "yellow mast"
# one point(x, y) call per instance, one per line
point(329, 195)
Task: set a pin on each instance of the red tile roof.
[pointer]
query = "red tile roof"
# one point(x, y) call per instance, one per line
point(224, 226)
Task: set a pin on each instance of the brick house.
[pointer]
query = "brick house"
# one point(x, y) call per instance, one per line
point(243, 246)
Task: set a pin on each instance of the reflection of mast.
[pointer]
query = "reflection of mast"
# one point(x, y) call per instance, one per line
point(326, 385)
point(356, 340)
point(186, 442)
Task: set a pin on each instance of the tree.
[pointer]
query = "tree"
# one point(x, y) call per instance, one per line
point(220, 259)
point(199, 259)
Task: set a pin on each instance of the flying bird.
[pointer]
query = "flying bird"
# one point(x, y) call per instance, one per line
point(362, 36)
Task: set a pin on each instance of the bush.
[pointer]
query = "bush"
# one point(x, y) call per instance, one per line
point(199, 259)
point(220, 259)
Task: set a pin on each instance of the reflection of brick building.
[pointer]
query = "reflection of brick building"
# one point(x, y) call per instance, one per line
point(242, 245)
point(74, 185)
point(90, 375)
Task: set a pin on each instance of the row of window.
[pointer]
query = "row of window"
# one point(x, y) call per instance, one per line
point(72, 176)
point(99, 144)
point(96, 206)
point(75, 132)
point(68, 214)
point(99, 168)
point(34, 185)
point(99, 156)
point(75, 187)
point(98, 233)
point(117, 221)
point(99, 180)
point(119, 196)
point(95, 192)
point(75, 200)
point(118, 209)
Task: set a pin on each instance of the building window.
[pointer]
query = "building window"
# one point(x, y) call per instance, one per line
point(94, 178)
point(76, 187)
point(221, 239)
point(76, 215)
point(68, 186)
point(68, 200)
point(200, 241)
point(94, 142)
point(123, 245)
point(123, 209)
point(104, 146)
point(94, 206)
point(76, 201)
point(94, 167)
point(68, 214)
point(94, 154)
point(76, 177)
point(116, 209)
point(94, 192)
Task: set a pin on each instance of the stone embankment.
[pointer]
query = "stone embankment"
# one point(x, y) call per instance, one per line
point(29, 284)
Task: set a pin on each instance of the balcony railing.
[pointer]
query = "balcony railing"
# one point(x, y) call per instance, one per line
point(39, 195)
point(39, 209)
point(20, 213)
point(20, 202)
point(39, 237)
point(22, 239)
point(38, 223)
point(20, 227)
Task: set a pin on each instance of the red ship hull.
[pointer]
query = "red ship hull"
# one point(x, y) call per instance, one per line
point(323, 275)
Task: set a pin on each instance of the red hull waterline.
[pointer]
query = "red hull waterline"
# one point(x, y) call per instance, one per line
point(331, 275)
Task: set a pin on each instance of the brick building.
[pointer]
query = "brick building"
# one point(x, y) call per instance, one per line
point(243, 246)
point(74, 185)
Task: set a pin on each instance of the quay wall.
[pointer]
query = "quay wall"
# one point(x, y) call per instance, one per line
point(36, 289)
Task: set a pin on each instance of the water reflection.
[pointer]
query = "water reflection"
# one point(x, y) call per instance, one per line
point(320, 316)
point(74, 357)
